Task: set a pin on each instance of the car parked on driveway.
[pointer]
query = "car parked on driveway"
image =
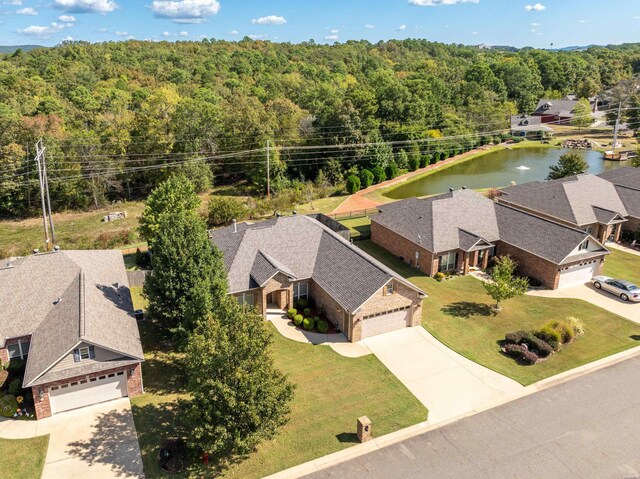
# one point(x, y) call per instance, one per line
point(625, 290)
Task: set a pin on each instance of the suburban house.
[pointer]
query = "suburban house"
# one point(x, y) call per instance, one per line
point(529, 127)
point(627, 184)
point(462, 230)
point(69, 315)
point(273, 263)
point(586, 202)
point(558, 111)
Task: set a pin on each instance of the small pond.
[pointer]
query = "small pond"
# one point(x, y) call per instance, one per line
point(497, 169)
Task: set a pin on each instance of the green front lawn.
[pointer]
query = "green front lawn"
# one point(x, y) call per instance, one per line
point(622, 265)
point(457, 312)
point(358, 227)
point(331, 393)
point(23, 458)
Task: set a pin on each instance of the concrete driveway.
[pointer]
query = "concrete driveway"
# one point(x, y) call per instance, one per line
point(97, 442)
point(447, 383)
point(600, 298)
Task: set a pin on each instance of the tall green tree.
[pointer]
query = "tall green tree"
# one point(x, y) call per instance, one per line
point(238, 398)
point(176, 196)
point(582, 116)
point(504, 284)
point(569, 164)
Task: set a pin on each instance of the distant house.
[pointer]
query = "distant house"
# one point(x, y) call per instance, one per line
point(463, 230)
point(529, 127)
point(273, 263)
point(69, 315)
point(558, 111)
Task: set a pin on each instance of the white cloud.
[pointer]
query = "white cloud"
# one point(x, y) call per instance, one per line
point(67, 18)
point(474, 33)
point(12, 2)
point(536, 24)
point(68, 38)
point(538, 7)
point(166, 34)
point(43, 31)
point(27, 11)
point(269, 20)
point(185, 11)
point(183, 34)
point(333, 38)
point(103, 30)
point(122, 34)
point(368, 25)
point(334, 31)
point(533, 30)
point(86, 6)
point(255, 37)
point(402, 28)
point(582, 21)
point(233, 32)
point(437, 3)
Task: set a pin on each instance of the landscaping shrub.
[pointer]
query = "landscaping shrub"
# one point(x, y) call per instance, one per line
point(4, 374)
point(437, 156)
point(307, 312)
point(414, 163)
point(439, 276)
point(529, 357)
point(391, 170)
point(576, 324)
point(566, 331)
point(353, 184)
point(366, 178)
point(550, 336)
point(15, 386)
point(534, 344)
point(378, 175)
point(308, 324)
point(291, 313)
point(297, 319)
point(323, 326)
point(402, 160)
point(222, 210)
point(113, 239)
point(302, 303)
point(521, 354)
point(425, 160)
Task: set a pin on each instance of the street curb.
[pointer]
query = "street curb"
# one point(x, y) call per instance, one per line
point(377, 443)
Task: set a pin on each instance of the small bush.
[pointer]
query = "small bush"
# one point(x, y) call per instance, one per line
point(353, 184)
point(297, 319)
point(15, 386)
point(113, 239)
point(222, 210)
point(366, 179)
point(521, 354)
point(534, 344)
point(378, 175)
point(4, 374)
point(439, 276)
point(308, 324)
point(414, 163)
point(550, 336)
point(291, 313)
point(529, 357)
point(566, 331)
point(307, 312)
point(302, 303)
point(576, 324)
point(391, 170)
point(323, 326)
point(425, 160)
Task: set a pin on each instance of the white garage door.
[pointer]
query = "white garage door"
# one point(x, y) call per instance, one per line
point(577, 275)
point(86, 392)
point(383, 323)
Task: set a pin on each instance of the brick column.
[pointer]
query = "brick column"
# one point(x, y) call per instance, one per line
point(618, 229)
point(42, 404)
point(485, 260)
point(4, 356)
point(134, 381)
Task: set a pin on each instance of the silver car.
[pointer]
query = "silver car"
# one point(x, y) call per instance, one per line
point(625, 290)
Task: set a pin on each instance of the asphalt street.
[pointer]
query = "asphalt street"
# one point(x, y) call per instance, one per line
point(586, 428)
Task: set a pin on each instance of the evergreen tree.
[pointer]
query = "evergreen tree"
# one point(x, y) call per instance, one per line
point(238, 397)
point(568, 165)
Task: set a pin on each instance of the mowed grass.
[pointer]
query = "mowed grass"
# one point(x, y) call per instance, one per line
point(622, 265)
point(139, 302)
point(23, 458)
point(458, 313)
point(331, 393)
point(358, 226)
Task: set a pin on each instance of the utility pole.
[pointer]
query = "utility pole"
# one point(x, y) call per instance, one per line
point(44, 210)
point(615, 129)
point(268, 175)
point(46, 186)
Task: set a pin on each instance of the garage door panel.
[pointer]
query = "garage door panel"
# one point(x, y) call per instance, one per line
point(577, 275)
point(384, 323)
point(77, 395)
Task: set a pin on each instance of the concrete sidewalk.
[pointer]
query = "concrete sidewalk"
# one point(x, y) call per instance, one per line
point(98, 441)
point(447, 383)
point(620, 247)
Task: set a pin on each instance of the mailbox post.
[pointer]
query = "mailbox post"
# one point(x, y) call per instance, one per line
point(364, 429)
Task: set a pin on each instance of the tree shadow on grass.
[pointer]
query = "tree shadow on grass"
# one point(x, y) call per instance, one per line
point(348, 437)
point(466, 309)
point(635, 337)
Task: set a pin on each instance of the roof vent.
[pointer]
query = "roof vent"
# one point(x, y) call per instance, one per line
point(464, 187)
point(57, 300)
point(56, 248)
point(295, 212)
point(451, 190)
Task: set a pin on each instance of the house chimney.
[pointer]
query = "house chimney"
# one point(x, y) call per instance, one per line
point(235, 225)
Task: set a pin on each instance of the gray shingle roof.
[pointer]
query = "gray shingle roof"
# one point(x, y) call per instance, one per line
point(528, 123)
point(264, 268)
point(543, 238)
point(627, 176)
point(94, 306)
point(435, 222)
point(305, 249)
point(631, 199)
point(562, 108)
point(571, 199)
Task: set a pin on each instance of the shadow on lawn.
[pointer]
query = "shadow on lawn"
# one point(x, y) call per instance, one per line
point(348, 437)
point(466, 309)
point(635, 337)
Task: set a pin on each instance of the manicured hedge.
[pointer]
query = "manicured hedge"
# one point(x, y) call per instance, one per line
point(291, 313)
point(323, 326)
point(308, 324)
point(297, 320)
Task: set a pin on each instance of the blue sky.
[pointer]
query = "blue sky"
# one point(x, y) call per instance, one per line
point(494, 22)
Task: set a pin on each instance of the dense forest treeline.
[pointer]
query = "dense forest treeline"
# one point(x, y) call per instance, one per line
point(117, 118)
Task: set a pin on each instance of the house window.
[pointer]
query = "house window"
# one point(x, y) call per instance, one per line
point(588, 230)
point(584, 245)
point(84, 353)
point(300, 291)
point(447, 262)
point(18, 350)
point(247, 298)
point(388, 288)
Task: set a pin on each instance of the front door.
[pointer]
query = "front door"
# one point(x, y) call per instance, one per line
point(270, 299)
